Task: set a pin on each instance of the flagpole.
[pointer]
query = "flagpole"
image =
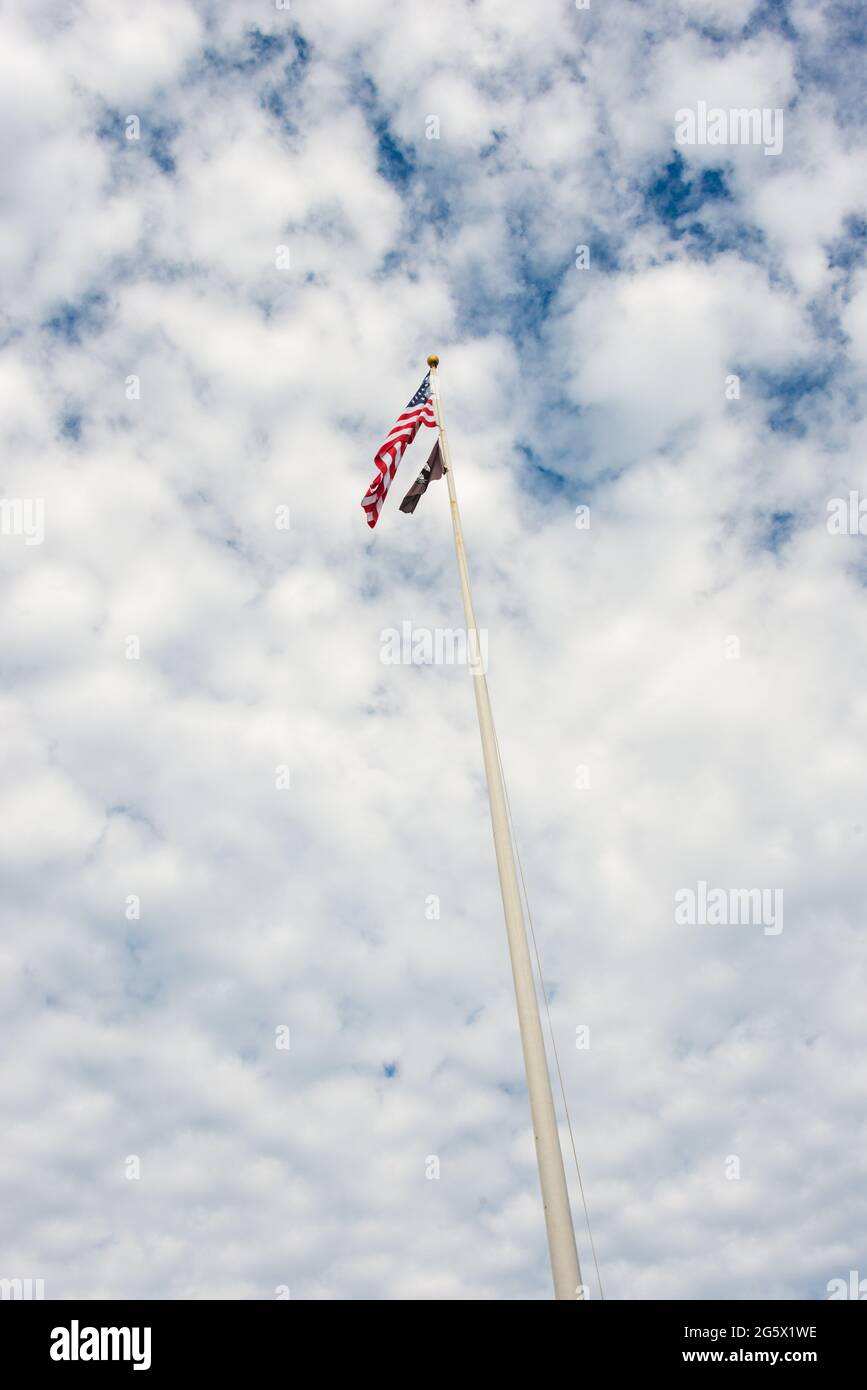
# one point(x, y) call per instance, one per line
point(552, 1177)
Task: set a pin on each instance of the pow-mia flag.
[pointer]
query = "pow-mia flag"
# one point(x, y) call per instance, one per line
point(432, 470)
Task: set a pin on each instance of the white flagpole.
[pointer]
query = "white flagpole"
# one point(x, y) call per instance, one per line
point(555, 1194)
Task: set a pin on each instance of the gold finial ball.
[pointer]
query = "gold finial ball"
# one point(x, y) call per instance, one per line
point(433, 360)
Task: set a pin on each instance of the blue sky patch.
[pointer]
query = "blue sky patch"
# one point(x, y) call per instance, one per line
point(74, 321)
point(673, 194)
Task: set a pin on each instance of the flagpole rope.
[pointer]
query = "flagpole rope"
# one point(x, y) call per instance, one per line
point(548, 1016)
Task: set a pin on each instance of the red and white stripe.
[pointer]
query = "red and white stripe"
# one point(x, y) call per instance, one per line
point(392, 451)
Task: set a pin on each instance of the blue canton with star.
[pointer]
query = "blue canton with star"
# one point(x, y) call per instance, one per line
point(422, 394)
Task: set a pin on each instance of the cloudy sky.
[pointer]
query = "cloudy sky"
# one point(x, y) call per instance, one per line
point(679, 685)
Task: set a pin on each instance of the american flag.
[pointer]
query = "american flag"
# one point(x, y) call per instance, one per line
point(420, 411)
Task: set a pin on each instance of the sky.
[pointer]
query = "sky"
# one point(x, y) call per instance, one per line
point(256, 1012)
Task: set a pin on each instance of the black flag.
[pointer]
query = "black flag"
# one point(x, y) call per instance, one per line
point(433, 469)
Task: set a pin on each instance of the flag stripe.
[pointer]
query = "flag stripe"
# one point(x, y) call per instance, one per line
point(418, 412)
